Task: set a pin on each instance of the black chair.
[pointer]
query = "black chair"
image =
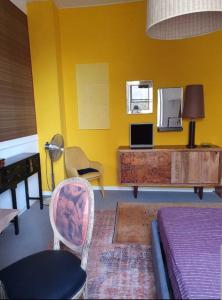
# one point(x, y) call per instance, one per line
point(57, 274)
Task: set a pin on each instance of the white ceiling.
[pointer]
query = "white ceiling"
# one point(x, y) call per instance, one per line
point(21, 4)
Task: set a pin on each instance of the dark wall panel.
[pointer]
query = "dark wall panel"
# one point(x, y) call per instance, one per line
point(17, 110)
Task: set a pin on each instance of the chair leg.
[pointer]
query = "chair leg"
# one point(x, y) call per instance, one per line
point(101, 185)
point(85, 292)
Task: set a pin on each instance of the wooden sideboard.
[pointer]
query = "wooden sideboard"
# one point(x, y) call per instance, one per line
point(171, 166)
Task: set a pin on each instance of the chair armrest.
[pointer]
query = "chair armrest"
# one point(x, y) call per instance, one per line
point(96, 165)
point(71, 172)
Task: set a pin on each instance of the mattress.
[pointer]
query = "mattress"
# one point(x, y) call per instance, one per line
point(192, 239)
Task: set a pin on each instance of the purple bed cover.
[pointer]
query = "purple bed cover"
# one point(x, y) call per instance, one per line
point(192, 239)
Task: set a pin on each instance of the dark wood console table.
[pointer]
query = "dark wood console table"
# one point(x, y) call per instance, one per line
point(17, 169)
point(171, 166)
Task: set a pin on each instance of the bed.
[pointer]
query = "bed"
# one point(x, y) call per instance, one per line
point(186, 246)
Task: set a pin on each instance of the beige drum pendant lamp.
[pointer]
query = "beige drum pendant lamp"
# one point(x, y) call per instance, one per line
point(179, 19)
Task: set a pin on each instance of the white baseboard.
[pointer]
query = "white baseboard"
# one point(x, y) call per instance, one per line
point(150, 189)
point(47, 193)
point(142, 188)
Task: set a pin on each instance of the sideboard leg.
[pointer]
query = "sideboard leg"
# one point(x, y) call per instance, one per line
point(218, 191)
point(135, 191)
point(200, 192)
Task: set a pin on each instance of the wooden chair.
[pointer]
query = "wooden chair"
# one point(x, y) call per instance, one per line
point(58, 274)
point(77, 164)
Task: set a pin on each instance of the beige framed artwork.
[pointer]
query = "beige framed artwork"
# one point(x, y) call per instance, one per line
point(92, 82)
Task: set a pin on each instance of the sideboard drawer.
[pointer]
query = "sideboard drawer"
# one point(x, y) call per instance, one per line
point(145, 167)
point(194, 167)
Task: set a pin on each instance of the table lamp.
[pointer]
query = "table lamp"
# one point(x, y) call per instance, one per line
point(193, 109)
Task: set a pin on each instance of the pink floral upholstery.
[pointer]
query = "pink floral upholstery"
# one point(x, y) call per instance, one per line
point(70, 212)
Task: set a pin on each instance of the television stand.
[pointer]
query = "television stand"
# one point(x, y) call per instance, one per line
point(171, 166)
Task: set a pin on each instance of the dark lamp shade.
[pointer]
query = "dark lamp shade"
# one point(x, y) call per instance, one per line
point(193, 102)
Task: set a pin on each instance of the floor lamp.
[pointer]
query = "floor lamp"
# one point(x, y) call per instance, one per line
point(193, 109)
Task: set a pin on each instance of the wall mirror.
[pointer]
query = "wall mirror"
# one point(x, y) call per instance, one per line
point(169, 106)
point(139, 97)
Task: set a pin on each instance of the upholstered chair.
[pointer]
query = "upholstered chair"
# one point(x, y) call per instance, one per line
point(77, 164)
point(58, 274)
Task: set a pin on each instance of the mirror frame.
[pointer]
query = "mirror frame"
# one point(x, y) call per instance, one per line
point(129, 85)
point(159, 112)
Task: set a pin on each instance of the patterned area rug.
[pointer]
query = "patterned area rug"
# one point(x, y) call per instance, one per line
point(133, 220)
point(117, 271)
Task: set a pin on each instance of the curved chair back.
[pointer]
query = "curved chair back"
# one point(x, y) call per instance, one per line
point(72, 215)
point(75, 157)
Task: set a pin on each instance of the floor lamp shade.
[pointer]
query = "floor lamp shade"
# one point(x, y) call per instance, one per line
point(193, 109)
point(179, 19)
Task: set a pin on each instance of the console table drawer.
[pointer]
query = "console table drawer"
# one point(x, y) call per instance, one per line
point(32, 164)
point(12, 174)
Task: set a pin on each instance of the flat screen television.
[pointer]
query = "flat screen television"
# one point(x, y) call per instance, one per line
point(141, 135)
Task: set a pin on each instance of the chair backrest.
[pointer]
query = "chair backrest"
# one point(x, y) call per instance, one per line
point(72, 215)
point(75, 157)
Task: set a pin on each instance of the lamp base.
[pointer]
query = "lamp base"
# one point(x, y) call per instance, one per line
point(191, 143)
point(191, 146)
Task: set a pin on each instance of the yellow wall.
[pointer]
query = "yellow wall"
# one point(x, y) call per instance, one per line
point(47, 78)
point(115, 35)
